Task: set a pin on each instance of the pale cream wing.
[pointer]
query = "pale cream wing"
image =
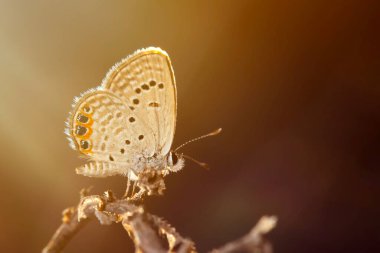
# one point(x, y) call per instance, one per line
point(145, 80)
point(104, 129)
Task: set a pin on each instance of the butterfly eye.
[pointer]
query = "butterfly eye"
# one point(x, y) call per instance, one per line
point(175, 159)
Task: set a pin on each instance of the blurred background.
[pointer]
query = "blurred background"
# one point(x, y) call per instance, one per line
point(294, 84)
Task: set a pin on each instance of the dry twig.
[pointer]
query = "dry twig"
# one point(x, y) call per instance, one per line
point(148, 232)
point(254, 241)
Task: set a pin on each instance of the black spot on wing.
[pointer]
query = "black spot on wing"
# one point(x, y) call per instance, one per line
point(154, 104)
point(83, 119)
point(80, 130)
point(145, 86)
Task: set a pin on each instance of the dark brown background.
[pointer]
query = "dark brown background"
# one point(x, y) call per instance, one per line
point(294, 84)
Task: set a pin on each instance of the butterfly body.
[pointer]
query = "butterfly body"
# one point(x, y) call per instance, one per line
point(126, 125)
point(163, 164)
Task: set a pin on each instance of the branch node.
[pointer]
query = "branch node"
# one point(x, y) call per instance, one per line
point(67, 214)
point(88, 205)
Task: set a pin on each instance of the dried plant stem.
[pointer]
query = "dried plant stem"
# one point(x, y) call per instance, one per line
point(148, 232)
point(65, 232)
point(254, 241)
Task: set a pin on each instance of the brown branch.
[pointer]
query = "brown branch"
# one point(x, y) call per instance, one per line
point(65, 231)
point(148, 232)
point(69, 227)
point(254, 241)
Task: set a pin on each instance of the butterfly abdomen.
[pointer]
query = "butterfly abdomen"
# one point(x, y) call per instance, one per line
point(99, 169)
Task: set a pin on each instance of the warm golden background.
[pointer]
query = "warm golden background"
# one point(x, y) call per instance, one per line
point(294, 84)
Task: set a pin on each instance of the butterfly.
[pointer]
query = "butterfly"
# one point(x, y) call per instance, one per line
point(126, 125)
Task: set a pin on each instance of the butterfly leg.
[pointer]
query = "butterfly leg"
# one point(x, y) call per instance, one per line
point(138, 194)
point(127, 190)
point(133, 188)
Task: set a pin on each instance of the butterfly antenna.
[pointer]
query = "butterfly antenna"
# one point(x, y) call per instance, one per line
point(203, 165)
point(216, 132)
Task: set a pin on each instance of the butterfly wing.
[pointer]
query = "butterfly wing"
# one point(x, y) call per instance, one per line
point(105, 130)
point(145, 81)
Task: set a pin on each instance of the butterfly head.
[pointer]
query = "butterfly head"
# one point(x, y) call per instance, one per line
point(175, 161)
